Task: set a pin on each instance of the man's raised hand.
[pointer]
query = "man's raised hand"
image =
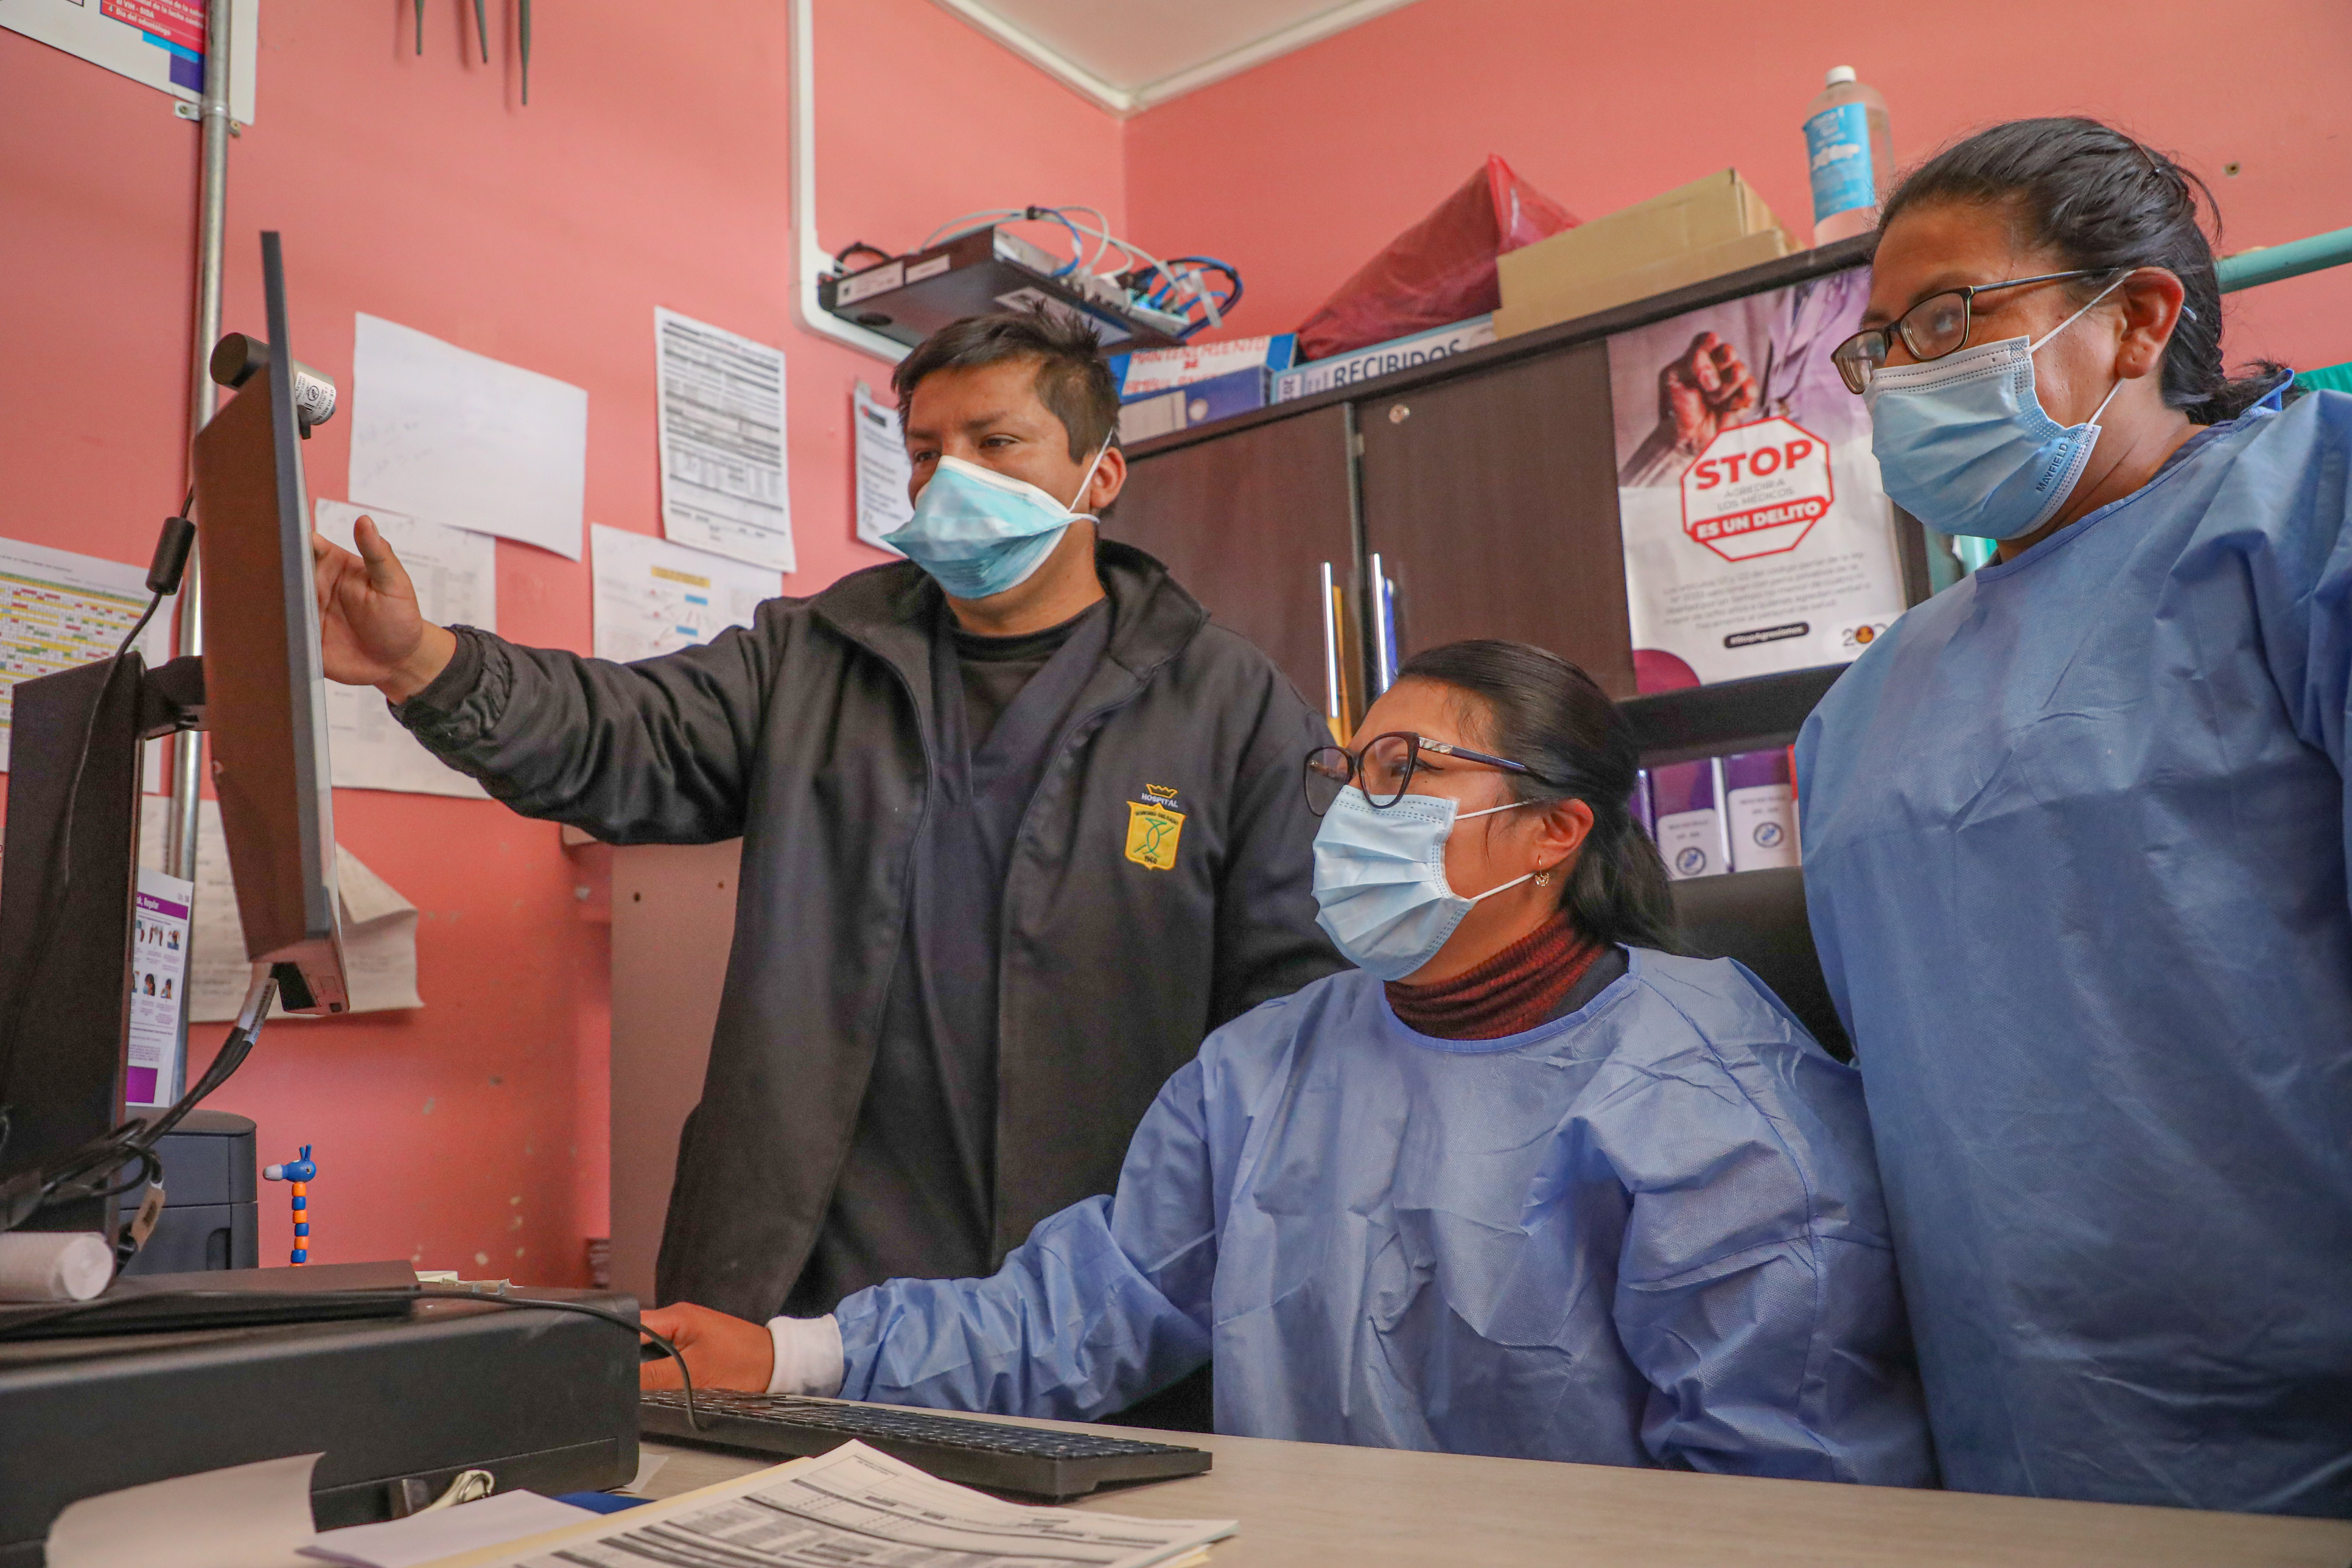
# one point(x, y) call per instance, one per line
point(369, 630)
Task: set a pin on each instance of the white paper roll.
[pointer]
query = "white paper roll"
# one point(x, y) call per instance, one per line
point(54, 1265)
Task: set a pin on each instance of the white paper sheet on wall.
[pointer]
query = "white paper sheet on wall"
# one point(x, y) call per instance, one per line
point(157, 43)
point(721, 413)
point(58, 609)
point(883, 470)
point(654, 597)
point(465, 441)
point(456, 575)
point(379, 926)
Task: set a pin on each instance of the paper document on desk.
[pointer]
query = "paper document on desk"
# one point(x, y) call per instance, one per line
point(855, 1505)
point(379, 926)
point(467, 440)
point(59, 609)
point(654, 597)
point(721, 417)
point(247, 1516)
point(454, 572)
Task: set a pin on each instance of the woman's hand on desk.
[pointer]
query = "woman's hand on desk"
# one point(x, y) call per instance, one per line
point(721, 1350)
point(369, 630)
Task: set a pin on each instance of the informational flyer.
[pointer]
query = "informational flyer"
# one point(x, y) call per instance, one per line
point(59, 609)
point(654, 597)
point(721, 413)
point(158, 43)
point(379, 926)
point(883, 471)
point(1758, 537)
point(159, 982)
point(456, 575)
point(467, 441)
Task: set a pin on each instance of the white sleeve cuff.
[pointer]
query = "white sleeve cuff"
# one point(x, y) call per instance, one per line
point(808, 1356)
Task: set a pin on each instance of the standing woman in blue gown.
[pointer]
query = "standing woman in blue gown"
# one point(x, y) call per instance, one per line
point(2076, 847)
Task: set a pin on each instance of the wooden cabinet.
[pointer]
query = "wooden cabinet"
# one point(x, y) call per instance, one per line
point(1491, 503)
point(1250, 524)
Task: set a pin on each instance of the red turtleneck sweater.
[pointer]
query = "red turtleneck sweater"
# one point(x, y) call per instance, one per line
point(1514, 991)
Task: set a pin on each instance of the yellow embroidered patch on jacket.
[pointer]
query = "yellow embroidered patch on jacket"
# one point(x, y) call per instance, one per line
point(1151, 833)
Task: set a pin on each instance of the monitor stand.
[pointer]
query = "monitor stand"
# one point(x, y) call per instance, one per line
point(67, 961)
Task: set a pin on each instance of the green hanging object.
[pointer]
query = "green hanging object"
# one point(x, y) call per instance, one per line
point(2334, 378)
point(420, 27)
point(482, 27)
point(526, 53)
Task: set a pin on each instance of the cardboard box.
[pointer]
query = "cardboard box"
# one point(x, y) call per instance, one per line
point(1195, 402)
point(1382, 359)
point(1697, 231)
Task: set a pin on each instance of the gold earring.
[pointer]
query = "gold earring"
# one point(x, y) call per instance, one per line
point(1543, 879)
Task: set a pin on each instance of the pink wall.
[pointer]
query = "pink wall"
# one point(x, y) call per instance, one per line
point(1301, 169)
point(650, 168)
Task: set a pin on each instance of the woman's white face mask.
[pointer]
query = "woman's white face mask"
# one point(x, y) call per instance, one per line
point(1964, 444)
point(1380, 892)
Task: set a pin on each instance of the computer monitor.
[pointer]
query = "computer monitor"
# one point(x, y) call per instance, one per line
point(265, 683)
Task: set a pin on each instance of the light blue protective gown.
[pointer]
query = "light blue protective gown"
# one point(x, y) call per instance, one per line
point(1648, 1233)
point(2074, 852)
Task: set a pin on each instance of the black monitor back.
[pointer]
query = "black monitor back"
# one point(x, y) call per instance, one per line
point(264, 679)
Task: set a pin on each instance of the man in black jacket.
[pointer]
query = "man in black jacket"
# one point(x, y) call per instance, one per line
point(1007, 857)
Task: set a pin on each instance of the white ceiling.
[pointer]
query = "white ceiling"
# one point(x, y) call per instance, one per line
point(1127, 55)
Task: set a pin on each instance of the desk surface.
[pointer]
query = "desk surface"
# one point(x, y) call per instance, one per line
point(1299, 1502)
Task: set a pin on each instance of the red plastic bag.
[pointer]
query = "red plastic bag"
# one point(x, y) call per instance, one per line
point(1439, 271)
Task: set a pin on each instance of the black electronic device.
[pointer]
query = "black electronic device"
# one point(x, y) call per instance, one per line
point(1032, 1460)
point(65, 916)
point(910, 297)
point(396, 1401)
point(212, 1208)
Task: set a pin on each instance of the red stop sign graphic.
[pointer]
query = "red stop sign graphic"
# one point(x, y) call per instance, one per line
point(1758, 490)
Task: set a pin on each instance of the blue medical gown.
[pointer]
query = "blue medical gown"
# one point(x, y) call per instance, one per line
point(1645, 1234)
point(2074, 853)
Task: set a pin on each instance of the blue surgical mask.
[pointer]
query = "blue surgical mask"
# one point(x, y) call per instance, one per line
point(1379, 879)
point(980, 532)
point(1964, 444)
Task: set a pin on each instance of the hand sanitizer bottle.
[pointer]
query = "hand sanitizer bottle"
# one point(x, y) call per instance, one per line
point(1851, 154)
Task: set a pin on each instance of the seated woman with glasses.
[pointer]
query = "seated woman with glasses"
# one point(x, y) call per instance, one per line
point(1523, 1183)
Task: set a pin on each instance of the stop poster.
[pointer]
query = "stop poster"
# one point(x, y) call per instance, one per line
point(1756, 537)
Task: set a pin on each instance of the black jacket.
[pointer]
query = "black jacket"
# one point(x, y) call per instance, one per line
point(809, 734)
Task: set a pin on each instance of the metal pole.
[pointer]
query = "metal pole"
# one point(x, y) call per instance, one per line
point(2270, 263)
point(212, 213)
point(203, 399)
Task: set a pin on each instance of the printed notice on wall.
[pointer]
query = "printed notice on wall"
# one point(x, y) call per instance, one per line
point(883, 471)
point(656, 598)
point(455, 573)
point(722, 442)
point(157, 43)
point(159, 979)
point(58, 609)
point(467, 441)
point(379, 926)
point(1758, 537)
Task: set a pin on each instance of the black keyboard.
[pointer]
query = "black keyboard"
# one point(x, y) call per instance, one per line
point(990, 1453)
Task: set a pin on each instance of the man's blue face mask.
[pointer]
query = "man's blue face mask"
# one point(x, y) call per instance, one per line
point(1964, 444)
point(978, 533)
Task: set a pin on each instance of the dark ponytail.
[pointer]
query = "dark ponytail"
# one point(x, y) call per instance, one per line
point(2096, 198)
point(1536, 708)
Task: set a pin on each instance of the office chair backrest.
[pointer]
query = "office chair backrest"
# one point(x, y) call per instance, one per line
point(1758, 918)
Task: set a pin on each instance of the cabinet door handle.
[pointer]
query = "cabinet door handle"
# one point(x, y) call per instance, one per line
point(1383, 626)
point(1334, 701)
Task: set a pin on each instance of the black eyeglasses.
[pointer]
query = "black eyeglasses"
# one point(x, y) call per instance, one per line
point(1383, 768)
point(1936, 326)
